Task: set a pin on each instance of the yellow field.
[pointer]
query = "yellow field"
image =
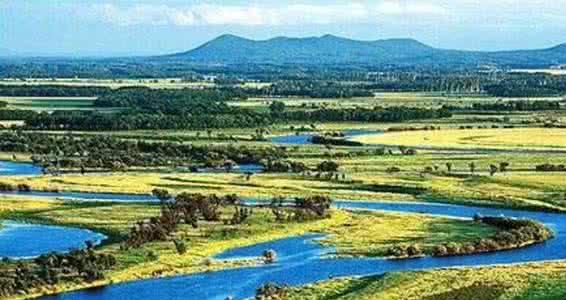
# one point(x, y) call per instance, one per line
point(532, 138)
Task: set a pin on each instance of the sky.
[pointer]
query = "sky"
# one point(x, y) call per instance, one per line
point(146, 27)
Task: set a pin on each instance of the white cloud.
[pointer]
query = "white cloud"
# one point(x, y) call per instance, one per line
point(251, 15)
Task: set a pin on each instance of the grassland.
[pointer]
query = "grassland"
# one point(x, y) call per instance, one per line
point(522, 138)
point(535, 281)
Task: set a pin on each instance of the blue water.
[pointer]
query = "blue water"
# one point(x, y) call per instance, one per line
point(300, 261)
point(8, 168)
point(305, 138)
point(86, 196)
point(20, 240)
point(241, 168)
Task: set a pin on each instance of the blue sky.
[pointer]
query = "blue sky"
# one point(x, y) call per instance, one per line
point(122, 27)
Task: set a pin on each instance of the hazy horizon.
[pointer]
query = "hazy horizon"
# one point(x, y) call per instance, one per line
point(149, 27)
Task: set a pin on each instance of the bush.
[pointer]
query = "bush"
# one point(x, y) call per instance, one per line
point(270, 290)
point(327, 166)
point(23, 187)
point(269, 256)
point(392, 170)
point(6, 187)
point(180, 247)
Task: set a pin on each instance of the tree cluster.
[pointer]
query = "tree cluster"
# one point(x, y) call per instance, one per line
point(52, 268)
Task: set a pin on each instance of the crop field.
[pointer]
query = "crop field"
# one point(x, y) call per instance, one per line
point(522, 138)
point(49, 103)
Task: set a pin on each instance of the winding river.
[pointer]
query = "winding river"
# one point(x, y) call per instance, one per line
point(299, 259)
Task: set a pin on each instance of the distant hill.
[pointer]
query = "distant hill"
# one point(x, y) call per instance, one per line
point(329, 49)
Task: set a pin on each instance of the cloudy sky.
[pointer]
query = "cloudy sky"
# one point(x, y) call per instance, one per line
point(123, 27)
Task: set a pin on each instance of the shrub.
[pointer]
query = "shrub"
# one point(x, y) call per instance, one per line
point(327, 166)
point(180, 247)
point(23, 187)
point(270, 290)
point(269, 256)
point(6, 187)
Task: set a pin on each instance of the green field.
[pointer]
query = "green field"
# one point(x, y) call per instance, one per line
point(50, 103)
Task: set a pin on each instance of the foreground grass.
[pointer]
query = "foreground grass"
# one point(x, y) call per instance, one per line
point(535, 281)
point(374, 232)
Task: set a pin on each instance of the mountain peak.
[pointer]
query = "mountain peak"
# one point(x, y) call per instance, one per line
point(329, 49)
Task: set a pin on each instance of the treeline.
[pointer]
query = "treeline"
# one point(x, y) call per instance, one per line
point(528, 85)
point(16, 114)
point(169, 100)
point(509, 106)
point(389, 114)
point(54, 152)
point(53, 268)
point(517, 106)
point(315, 89)
point(30, 90)
point(95, 121)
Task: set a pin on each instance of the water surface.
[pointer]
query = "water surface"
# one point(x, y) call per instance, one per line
point(21, 240)
point(9, 168)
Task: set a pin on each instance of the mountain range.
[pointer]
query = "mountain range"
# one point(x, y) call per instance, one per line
point(331, 50)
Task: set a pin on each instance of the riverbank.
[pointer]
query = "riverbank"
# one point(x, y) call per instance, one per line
point(522, 281)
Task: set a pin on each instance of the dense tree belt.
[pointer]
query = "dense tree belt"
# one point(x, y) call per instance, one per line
point(390, 114)
point(16, 114)
point(29, 90)
point(107, 152)
point(510, 106)
point(144, 108)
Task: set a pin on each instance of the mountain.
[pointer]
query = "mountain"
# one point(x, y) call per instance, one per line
point(329, 49)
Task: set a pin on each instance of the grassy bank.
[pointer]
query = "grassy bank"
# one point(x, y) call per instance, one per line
point(535, 281)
